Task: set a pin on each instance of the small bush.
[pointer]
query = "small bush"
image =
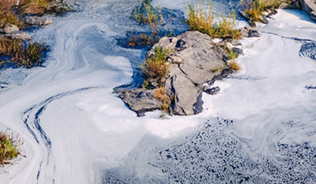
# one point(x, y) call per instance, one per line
point(160, 94)
point(9, 147)
point(198, 20)
point(155, 66)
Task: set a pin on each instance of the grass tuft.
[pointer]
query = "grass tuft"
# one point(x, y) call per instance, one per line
point(160, 94)
point(35, 7)
point(9, 147)
point(200, 20)
point(5, 46)
point(155, 66)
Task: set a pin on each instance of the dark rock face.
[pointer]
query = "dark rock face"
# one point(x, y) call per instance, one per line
point(213, 91)
point(238, 51)
point(196, 60)
point(249, 32)
point(309, 6)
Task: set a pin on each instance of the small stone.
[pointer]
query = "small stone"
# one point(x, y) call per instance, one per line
point(283, 6)
point(9, 29)
point(263, 19)
point(238, 51)
point(253, 33)
point(265, 13)
point(20, 36)
point(213, 91)
point(39, 21)
point(244, 14)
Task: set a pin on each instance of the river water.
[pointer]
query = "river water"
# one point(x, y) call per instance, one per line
point(261, 127)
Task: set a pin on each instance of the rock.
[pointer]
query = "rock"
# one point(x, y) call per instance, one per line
point(249, 32)
point(213, 91)
point(283, 6)
point(140, 100)
point(263, 19)
point(252, 23)
point(39, 21)
point(198, 106)
point(174, 59)
point(185, 95)
point(20, 36)
point(313, 15)
point(192, 64)
point(253, 33)
point(238, 51)
point(309, 6)
point(244, 14)
point(9, 29)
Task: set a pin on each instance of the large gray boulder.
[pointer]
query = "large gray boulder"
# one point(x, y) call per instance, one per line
point(39, 21)
point(309, 6)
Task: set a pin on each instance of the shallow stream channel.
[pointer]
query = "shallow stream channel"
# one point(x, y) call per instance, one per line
point(260, 128)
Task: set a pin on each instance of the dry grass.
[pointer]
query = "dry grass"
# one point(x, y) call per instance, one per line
point(200, 20)
point(5, 46)
point(35, 7)
point(9, 147)
point(6, 5)
point(160, 94)
point(235, 66)
point(155, 66)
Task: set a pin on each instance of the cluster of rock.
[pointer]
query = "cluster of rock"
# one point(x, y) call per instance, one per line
point(194, 66)
point(262, 17)
point(13, 32)
point(309, 6)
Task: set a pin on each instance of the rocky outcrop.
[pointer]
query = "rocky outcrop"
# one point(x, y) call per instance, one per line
point(196, 60)
point(38, 21)
point(309, 6)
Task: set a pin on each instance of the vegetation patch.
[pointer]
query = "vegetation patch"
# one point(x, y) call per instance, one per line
point(255, 8)
point(160, 94)
point(22, 54)
point(9, 147)
point(145, 14)
point(202, 20)
point(155, 66)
